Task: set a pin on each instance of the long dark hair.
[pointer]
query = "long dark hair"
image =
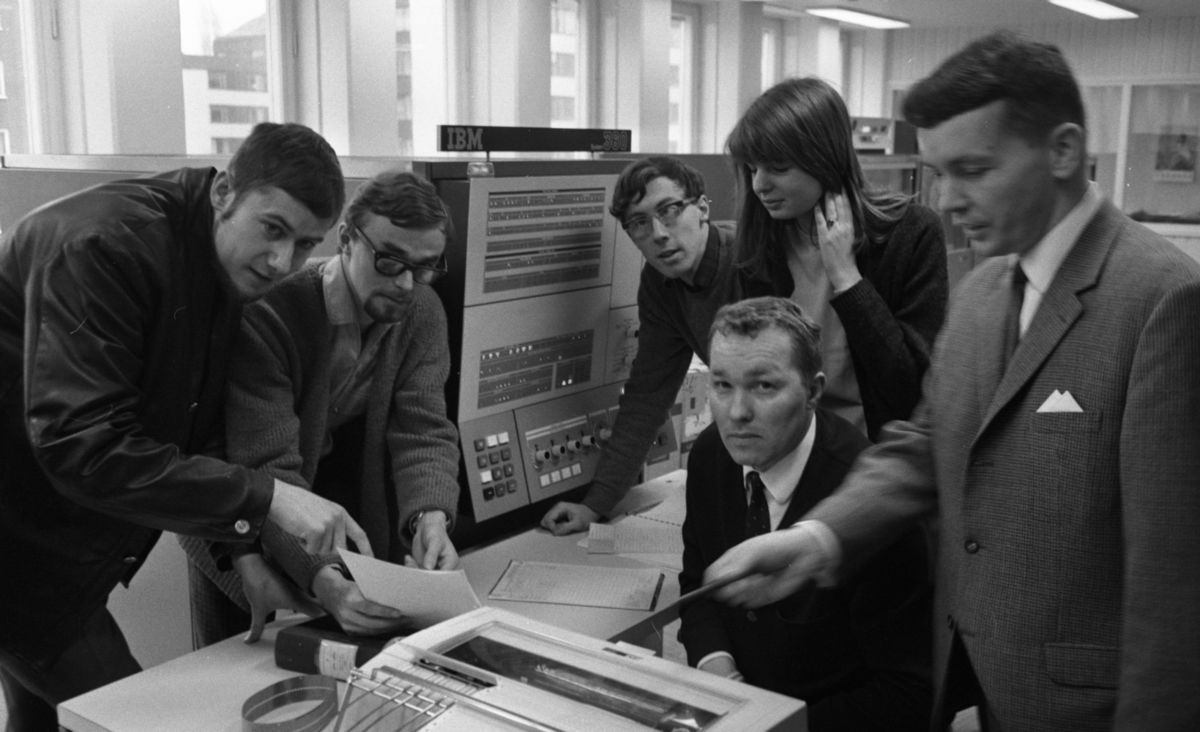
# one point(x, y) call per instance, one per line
point(803, 122)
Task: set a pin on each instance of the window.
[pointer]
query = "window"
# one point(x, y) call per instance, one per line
point(226, 145)
point(562, 108)
point(566, 46)
point(404, 78)
point(564, 17)
point(682, 59)
point(564, 64)
point(225, 70)
point(772, 51)
point(230, 114)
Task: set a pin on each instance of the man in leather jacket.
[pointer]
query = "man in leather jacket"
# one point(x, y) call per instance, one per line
point(117, 305)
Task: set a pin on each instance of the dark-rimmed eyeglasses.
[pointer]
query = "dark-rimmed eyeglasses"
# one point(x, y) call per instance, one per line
point(641, 226)
point(390, 265)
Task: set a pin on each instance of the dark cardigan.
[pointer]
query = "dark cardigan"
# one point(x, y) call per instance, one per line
point(890, 317)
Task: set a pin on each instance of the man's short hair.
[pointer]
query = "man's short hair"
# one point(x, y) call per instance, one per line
point(631, 186)
point(405, 199)
point(294, 159)
point(1032, 78)
point(748, 318)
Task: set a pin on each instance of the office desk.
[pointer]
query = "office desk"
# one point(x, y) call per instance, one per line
point(203, 691)
point(485, 564)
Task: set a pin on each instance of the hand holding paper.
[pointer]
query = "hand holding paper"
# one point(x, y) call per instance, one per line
point(426, 597)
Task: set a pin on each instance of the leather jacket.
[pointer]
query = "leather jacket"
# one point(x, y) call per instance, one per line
point(115, 321)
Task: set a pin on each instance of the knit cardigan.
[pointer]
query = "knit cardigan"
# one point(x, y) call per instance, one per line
point(278, 411)
point(890, 316)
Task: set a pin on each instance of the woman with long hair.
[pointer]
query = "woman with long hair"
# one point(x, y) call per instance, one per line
point(868, 266)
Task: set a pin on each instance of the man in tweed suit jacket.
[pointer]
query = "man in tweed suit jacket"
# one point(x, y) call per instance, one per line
point(1067, 477)
point(337, 384)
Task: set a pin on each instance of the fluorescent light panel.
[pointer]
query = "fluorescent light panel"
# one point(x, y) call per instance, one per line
point(1096, 9)
point(857, 17)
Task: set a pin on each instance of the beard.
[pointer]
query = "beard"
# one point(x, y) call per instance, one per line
point(383, 309)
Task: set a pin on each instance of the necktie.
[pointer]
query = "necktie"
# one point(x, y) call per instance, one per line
point(1012, 323)
point(758, 518)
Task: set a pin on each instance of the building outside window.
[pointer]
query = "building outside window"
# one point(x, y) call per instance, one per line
point(13, 103)
point(404, 78)
point(224, 46)
point(681, 57)
point(566, 88)
point(772, 51)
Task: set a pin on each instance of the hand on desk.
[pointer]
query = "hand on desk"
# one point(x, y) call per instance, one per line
point(267, 591)
point(567, 518)
point(321, 525)
point(356, 614)
point(778, 563)
point(431, 547)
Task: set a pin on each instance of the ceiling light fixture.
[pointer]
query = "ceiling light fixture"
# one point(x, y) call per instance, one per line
point(1096, 9)
point(857, 17)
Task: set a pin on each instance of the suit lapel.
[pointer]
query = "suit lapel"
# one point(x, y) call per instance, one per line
point(989, 337)
point(1059, 309)
point(815, 479)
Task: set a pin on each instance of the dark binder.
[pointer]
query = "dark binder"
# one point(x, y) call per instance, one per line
point(320, 646)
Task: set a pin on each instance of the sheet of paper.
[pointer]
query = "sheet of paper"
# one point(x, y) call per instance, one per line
point(635, 535)
point(671, 511)
point(627, 588)
point(425, 596)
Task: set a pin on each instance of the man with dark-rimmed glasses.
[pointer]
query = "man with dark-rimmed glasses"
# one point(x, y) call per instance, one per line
point(337, 383)
point(661, 205)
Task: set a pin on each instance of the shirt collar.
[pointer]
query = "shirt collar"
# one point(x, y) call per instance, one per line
point(781, 479)
point(340, 303)
point(1041, 262)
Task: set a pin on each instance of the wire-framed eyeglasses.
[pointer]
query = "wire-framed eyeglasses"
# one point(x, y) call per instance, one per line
point(642, 226)
point(390, 265)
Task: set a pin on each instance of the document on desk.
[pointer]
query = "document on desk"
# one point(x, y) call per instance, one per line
point(425, 596)
point(622, 588)
point(671, 511)
point(635, 535)
point(654, 535)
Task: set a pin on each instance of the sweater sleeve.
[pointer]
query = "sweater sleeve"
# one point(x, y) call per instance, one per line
point(421, 439)
point(658, 371)
point(892, 315)
point(262, 426)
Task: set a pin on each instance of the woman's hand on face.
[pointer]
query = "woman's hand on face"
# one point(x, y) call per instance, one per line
point(834, 225)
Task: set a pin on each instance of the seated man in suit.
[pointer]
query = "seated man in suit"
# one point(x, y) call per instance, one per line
point(858, 653)
point(337, 384)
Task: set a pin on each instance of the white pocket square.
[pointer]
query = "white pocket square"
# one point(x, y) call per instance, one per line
point(1060, 401)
